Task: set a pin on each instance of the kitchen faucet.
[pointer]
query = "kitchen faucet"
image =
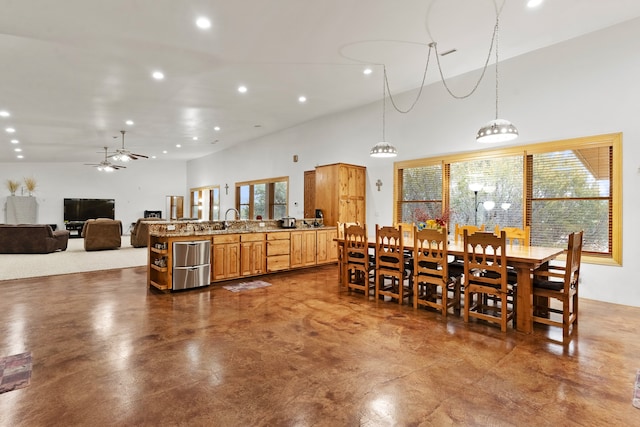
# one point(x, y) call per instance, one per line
point(237, 216)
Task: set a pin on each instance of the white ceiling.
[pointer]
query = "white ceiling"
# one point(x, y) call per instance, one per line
point(73, 71)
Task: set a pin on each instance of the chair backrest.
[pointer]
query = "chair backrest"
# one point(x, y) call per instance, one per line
point(407, 229)
point(389, 247)
point(341, 226)
point(355, 243)
point(574, 256)
point(520, 236)
point(457, 236)
point(485, 252)
point(430, 264)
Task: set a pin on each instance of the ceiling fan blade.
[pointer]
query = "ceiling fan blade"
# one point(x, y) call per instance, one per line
point(135, 156)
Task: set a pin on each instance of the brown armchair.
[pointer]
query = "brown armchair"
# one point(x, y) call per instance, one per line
point(140, 232)
point(102, 234)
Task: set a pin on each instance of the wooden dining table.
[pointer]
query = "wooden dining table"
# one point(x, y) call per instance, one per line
point(524, 259)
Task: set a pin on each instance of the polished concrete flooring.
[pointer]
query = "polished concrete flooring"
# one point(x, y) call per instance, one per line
point(303, 352)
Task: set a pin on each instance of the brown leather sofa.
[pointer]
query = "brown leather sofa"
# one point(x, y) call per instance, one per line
point(31, 239)
point(140, 232)
point(100, 234)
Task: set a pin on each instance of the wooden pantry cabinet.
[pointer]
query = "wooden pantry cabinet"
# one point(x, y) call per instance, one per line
point(340, 192)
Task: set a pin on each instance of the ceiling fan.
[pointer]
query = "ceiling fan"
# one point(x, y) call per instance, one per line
point(123, 155)
point(106, 165)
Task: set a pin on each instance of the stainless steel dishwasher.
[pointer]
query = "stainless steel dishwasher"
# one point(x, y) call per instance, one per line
point(191, 264)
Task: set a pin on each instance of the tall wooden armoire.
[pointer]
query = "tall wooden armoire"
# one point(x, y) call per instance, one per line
point(341, 193)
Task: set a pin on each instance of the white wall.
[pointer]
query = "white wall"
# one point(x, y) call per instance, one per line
point(586, 86)
point(141, 186)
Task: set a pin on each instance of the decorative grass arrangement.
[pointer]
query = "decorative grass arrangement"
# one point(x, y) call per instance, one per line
point(30, 183)
point(13, 186)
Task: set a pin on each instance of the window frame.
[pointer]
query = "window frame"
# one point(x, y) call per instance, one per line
point(269, 196)
point(613, 140)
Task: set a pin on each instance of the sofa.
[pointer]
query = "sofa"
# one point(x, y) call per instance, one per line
point(31, 239)
point(140, 232)
point(101, 234)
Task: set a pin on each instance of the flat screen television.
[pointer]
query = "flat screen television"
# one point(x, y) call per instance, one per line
point(84, 209)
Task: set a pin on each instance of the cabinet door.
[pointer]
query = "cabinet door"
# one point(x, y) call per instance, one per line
point(219, 261)
point(259, 260)
point(327, 247)
point(296, 249)
point(309, 248)
point(233, 260)
point(252, 258)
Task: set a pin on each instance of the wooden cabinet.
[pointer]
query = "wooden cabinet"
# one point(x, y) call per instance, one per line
point(303, 248)
point(225, 257)
point(327, 247)
point(340, 192)
point(278, 249)
point(252, 254)
point(158, 271)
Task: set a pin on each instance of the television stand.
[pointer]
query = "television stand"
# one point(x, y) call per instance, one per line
point(74, 226)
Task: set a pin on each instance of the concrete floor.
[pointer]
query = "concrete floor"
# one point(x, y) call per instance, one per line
point(303, 352)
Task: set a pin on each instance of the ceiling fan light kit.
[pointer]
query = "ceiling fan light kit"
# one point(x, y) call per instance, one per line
point(106, 165)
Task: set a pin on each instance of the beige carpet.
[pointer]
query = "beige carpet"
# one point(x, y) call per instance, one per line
point(75, 259)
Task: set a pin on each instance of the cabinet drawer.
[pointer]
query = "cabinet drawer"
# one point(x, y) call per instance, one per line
point(187, 254)
point(282, 235)
point(226, 238)
point(277, 263)
point(252, 237)
point(278, 247)
point(190, 277)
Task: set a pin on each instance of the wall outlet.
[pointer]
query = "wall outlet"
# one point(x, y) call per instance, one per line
point(261, 224)
point(171, 227)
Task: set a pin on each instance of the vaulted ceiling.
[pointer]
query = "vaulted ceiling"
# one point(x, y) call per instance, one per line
point(75, 71)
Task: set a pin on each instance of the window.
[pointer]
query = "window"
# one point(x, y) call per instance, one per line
point(265, 198)
point(555, 188)
point(205, 203)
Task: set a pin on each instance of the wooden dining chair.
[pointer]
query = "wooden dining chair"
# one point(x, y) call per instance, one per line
point(432, 283)
point(357, 267)
point(390, 264)
point(486, 289)
point(340, 230)
point(459, 230)
point(519, 236)
point(559, 283)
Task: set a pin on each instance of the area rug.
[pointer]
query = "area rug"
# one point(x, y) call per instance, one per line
point(245, 286)
point(15, 372)
point(636, 391)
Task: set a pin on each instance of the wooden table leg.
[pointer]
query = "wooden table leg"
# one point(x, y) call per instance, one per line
point(524, 321)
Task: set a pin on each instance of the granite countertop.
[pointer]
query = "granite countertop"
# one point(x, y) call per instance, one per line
point(213, 228)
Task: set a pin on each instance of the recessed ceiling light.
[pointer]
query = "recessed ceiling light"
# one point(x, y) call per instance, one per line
point(203, 23)
point(195, 138)
point(178, 145)
point(10, 130)
point(367, 71)
point(216, 128)
point(164, 151)
point(158, 75)
point(17, 150)
point(20, 156)
point(129, 122)
point(4, 114)
point(242, 89)
point(534, 3)
point(14, 141)
point(302, 99)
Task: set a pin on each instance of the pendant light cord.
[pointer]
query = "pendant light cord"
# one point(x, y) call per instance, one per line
point(384, 96)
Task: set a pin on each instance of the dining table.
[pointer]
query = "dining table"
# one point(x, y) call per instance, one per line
point(523, 259)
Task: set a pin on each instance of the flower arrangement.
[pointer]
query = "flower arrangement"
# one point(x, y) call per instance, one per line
point(423, 221)
point(13, 186)
point(30, 183)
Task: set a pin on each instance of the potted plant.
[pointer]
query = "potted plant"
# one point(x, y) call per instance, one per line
point(30, 183)
point(12, 186)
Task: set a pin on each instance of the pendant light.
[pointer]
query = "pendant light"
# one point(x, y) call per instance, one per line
point(383, 148)
point(498, 130)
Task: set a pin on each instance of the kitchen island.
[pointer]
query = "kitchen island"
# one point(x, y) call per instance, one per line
point(238, 249)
